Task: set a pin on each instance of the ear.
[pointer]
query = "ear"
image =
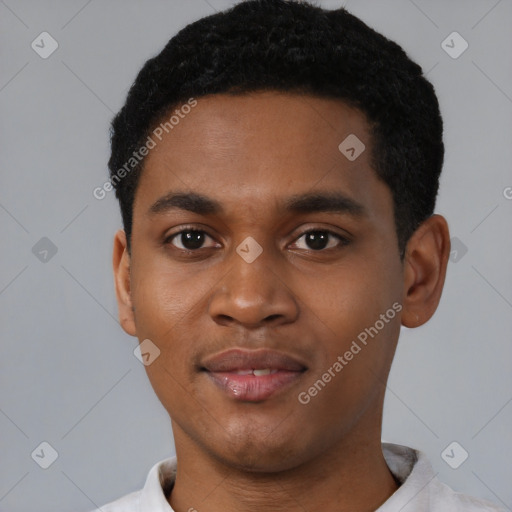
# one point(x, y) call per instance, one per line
point(121, 265)
point(425, 263)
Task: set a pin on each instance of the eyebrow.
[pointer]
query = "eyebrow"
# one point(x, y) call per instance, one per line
point(191, 202)
point(334, 202)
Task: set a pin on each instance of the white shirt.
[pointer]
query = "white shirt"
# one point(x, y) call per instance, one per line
point(420, 490)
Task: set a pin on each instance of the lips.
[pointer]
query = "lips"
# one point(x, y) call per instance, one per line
point(252, 375)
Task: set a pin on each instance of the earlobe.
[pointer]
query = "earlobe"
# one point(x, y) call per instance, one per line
point(425, 264)
point(121, 267)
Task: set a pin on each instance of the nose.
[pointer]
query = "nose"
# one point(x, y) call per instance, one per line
point(253, 294)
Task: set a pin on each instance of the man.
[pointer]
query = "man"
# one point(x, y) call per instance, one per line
point(277, 167)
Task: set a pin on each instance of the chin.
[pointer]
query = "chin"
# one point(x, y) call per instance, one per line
point(260, 462)
point(260, 453)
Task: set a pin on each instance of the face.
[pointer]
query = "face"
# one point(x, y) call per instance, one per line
point(282, 259)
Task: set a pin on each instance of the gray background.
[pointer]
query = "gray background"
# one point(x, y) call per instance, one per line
point(68, 373)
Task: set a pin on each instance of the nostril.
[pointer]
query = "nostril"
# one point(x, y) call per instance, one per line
point(225, 318)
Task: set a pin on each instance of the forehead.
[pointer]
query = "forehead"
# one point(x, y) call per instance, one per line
point(259, 147)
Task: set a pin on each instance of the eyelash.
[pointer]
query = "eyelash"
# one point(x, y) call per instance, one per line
point(189, 229)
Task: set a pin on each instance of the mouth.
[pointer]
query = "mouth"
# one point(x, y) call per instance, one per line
point(253, 375)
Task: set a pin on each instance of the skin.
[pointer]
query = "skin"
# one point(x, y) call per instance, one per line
point(250, 153)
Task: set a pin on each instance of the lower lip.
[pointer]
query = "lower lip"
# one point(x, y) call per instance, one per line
point(252, 388)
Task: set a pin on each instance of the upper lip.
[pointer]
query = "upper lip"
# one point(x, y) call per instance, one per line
point(242, 359)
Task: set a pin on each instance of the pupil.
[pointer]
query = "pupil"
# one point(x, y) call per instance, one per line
point(192, 239)
point(317, 239)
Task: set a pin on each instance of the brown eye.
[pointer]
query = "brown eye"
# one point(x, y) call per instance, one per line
point(318, 240)
point(189, 239)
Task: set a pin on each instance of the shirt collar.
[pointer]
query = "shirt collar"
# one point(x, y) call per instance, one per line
point(410, 467)
point(158, 484)
point(413, 470)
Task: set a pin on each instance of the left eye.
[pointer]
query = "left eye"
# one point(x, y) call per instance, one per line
point(319, 239)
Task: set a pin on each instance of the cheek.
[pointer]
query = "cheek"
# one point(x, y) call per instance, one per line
point(352, 296)
point(163, 298)
point(355, 311)
point(164, 317)
point(167, 307)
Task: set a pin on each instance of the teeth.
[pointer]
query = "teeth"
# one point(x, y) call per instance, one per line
point(260, 373)
point(244, 372)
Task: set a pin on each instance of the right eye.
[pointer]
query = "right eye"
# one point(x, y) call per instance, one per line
point(190, 239)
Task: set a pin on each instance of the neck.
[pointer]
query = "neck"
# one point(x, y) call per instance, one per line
point(351, 476)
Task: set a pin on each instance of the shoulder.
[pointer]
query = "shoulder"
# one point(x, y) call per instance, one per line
point(446, 499)
point(152, 496)
point(421, 490)
point(128, 503)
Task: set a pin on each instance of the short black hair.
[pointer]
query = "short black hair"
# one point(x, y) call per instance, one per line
point(296, 47)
